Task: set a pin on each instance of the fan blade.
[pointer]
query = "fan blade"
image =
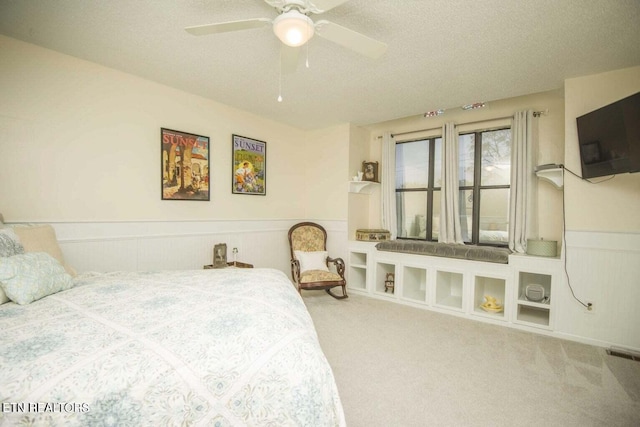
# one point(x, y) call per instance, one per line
point(350, 39)
point(223, 27)
point(321, 6)
point(289, 58)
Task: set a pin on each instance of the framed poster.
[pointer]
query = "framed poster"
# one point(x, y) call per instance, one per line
point(185, 165)
point(249, 166)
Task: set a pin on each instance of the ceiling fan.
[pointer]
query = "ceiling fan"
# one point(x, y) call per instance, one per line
point(294, 28)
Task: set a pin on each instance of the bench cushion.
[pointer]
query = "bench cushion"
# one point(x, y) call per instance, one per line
point(448, 250)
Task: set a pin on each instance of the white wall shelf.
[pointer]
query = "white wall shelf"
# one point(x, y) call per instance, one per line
point(554, 175)
point(362, 187)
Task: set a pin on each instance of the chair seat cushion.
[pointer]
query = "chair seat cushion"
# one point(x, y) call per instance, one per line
point(311, 276)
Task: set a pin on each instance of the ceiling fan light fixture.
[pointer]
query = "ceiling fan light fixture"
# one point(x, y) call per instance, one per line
point(293, 28)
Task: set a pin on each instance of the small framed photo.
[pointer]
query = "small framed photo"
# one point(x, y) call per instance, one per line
point(370, 171)
point(185, 165)
point(220, 255)
point(249, 166)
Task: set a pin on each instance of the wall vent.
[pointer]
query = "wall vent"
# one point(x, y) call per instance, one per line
point(624, 353)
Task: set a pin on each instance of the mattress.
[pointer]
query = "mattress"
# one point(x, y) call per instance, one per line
point(223, 347)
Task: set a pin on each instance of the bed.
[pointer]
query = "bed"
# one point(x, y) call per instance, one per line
point(222, 347)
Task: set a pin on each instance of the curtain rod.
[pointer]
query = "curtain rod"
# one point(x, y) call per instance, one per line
point(535, 114)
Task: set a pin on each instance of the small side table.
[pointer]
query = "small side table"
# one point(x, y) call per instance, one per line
point(236, 264)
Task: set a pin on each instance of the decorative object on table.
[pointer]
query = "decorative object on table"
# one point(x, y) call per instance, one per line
point(389, 282)
point(358, 176)
point(220, 255)
point(372, 235)
point(185, 165)
point(370, 171)
point(249, 166)
point(548, 248)
point(491, 305)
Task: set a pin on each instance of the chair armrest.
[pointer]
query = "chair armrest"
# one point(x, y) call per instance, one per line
point(339, 263)
point(295, 270)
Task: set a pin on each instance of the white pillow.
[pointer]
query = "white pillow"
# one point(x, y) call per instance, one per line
point(9, 246)
point(312, 260)
point(10, 243)
point(42, 238)
point(28, 277)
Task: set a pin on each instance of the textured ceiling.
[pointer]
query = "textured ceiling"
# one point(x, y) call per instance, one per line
point(442, 53)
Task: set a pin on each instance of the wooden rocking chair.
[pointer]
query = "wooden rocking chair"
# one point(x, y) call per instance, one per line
point(310, 261)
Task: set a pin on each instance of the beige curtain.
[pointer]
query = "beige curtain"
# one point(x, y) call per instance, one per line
point(389, 217)
point(450, 229)
point(522, 207)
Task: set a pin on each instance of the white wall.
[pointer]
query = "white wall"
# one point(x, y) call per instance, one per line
point(550, 132)
point(325, 163)
point(81, 142)
point(358, 202)
point(80, 149)
point(603, 227)
point(611, 205)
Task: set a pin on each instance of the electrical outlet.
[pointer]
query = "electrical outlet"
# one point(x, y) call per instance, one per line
point(591, 307)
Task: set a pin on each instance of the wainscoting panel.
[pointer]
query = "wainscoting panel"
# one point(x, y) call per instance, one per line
point(180, 245)
point(604, 269)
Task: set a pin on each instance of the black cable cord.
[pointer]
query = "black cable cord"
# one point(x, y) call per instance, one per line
point(564, 230)
point(585, 179)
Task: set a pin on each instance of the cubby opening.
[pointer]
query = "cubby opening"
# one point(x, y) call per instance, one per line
point(357, 278)
point(536, 315)
point(489, 287)
point(534, 280)
point(382, 270)
point(449, 289)
point(414, 283)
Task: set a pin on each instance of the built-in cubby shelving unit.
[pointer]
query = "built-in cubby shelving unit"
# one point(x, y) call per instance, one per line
point(461, 287)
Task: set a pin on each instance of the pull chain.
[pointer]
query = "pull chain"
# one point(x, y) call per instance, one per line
point(280, 79)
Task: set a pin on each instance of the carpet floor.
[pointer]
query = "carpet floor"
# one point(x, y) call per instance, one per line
point(397, 365)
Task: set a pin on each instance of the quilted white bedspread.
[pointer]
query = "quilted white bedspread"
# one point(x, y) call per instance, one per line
point(209, 347)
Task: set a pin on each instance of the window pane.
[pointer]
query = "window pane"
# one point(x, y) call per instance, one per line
point(412, 164)
point(494, 215)
point(466, 214)
point(437, 163)
point(466, 152)
point(411, 207)
point(496, 157)
point(435, 224)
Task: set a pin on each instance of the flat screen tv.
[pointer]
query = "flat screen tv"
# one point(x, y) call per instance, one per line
point(609, 138)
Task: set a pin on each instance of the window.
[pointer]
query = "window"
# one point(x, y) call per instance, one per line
point(484, 180)
point(418, 181)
